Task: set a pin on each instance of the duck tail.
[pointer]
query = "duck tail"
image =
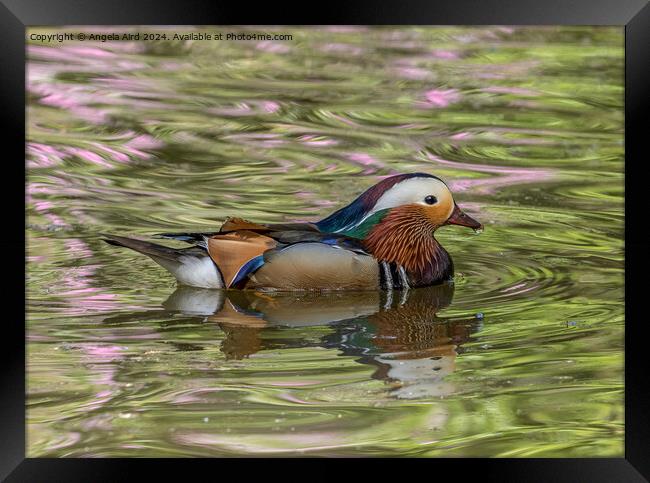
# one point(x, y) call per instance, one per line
point(152, 250)
point(191, 266)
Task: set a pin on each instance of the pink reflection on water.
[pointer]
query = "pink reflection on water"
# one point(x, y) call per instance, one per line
point(65, 440)
point(131, 143)
point(325, 203)
point(285, 165)
point(101, 360)
point(82, 100)
point(144, 141)
point(87, 52)
point(491, 75)
point(344, 120)
point(445, 54)
point(284, 442)
point(311, 167)
point(55, 54)
point(79, 99)
point(507, 176)
point(44, 207)
point(79, 247)
point(42, 156)
point(273, 47)
point(60, 188)
point(194, 395)
point(267, 140)
point(73, 99)
point(89, 58)
point(461, 135)
point(369, 162)
point(311, 140)
point(414, 73)
point(519, 288)
point(104, 352)
point(482, 35)
point(248, 108)
point(137, 153)
point(115, 155)
point(133, 85)
point(89, 156)
point(506, 30)
point(304, 194)
point(513, 71)
point(76, 284)
point(362, 158)
point(437, 98)
point(270, 106)
point(340, 48)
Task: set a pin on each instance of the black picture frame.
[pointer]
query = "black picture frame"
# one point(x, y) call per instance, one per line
point(16, 15)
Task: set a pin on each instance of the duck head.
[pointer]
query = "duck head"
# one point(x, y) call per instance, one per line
point(397, 219)
point(421, 195)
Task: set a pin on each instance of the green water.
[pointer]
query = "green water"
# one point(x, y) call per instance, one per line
point(525, 125)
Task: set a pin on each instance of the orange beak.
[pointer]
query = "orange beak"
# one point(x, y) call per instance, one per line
point(458, 217)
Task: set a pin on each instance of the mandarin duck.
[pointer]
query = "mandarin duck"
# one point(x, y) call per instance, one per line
point(384, 239)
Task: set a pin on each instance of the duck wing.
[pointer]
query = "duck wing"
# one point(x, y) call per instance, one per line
point(236, 224)
point(291, 255)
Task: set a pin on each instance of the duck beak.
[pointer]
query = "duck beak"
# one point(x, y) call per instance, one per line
point(458, 217)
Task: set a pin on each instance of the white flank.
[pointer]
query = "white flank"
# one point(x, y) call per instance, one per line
point(194, 271)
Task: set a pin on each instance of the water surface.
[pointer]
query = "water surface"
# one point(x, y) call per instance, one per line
point(521, 356)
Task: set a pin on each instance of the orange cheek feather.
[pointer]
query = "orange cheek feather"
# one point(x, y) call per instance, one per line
point(439, 213)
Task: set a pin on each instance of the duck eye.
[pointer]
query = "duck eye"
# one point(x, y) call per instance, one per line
point(430, 200)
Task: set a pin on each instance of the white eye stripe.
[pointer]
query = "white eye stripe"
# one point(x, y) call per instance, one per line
point(412, 191)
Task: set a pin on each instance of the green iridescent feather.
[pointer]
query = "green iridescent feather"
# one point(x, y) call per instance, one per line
point(361, 231)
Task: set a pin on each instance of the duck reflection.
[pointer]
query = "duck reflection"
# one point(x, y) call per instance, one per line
point(399, 333)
